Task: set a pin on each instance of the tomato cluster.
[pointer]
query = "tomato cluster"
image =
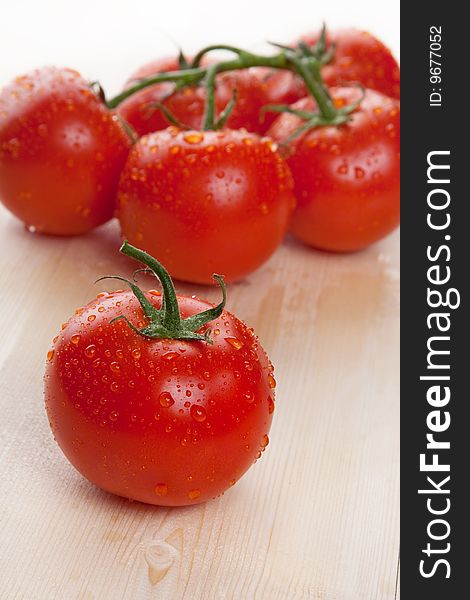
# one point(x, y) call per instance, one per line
point(168, 399)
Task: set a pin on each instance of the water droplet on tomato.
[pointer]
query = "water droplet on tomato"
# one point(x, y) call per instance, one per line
point(170, 356)
point(166, 399)
point(50, 355)
point(193, 138)
point(232, 482)
point(206, 375)
point(90, 350)
point(198, 413)
point(342, 169)
point(359, 173)
point(136, 353)
point(75, 339)
point(100, 309)
point(193, 494)
point(270, 405)
point(271, 381)
point(258, 454)
point(113, 415)
point(264, 441)
point(115, 367)
point(220, 174)
point(114, 386)
point(237, 344)
point(249, 397)
point(161, 489)
point(175, 149)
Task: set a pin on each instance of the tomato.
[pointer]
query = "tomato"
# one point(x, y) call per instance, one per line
point(188, 104)
point(359, 57)
point(206, 201)
point(61, 152)
point(347, 178)
point(163, 421)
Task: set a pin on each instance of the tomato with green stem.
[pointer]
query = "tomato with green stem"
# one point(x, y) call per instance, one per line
point(347, 56)
point(347, 177)
point(61, 152)
point(148, 110)
point(159, 398)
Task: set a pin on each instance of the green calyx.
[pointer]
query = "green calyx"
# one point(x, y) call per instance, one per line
point(166, 322)
point(303, 60)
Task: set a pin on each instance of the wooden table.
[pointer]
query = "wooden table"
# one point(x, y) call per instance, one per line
point(316, 518)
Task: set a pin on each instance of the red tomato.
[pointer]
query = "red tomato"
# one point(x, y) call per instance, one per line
point(164, 421)
point(188, 104)
point(347, 178)
point(359, 57)
point(61, 152)
point(206, 201)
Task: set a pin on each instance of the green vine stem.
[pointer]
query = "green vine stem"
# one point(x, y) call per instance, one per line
point(166, 322)
point(303, 60)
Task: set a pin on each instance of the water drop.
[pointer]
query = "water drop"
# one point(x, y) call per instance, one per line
point(75, 339)
point(90, 351)
point(359, 173)
point(193, 138)
point(166, 399)
point(91, 318)
point(136, 353)
point(50, 355)
point(270, 405)
point(161, 489)
point(198, 413)
point(115, 367)
point(271, 381)
point(170, 355)
point(114, 386)
point(237, 344)
point(113, 415)
point(193, 494)
point(264, 441)
point(249, 397)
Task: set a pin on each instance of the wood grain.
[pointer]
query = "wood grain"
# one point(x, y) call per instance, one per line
point(316, 518)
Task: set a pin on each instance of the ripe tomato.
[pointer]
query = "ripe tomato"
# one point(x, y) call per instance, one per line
point(206, 201)
point(61, 152)
point(164, 421)
point(359, 57)
point(347, 178)
point(188, 104)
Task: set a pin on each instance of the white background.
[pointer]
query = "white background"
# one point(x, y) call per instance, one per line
point(108, 39)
